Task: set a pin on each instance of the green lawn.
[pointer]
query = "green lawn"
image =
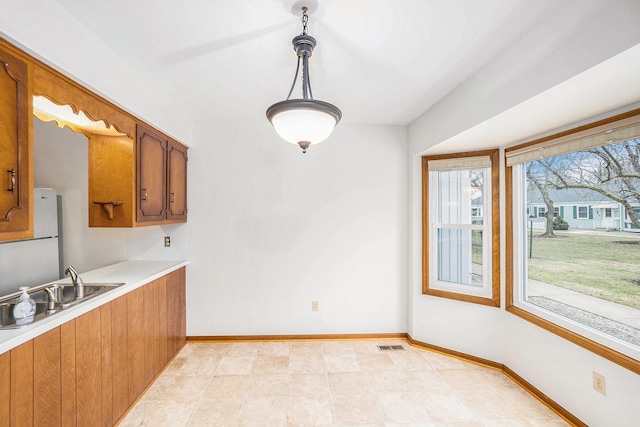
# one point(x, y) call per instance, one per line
point(607, 267)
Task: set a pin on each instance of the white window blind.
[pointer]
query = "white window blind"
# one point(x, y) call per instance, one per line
point(610, 133)
point(460, 163)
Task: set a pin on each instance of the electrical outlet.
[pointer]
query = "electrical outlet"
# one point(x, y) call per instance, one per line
point(167, 241)
point(315, 305)
point(599, 384)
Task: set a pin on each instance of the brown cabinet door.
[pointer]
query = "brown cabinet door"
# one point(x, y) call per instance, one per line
point(150, 332)
point(69, 405)
point(89, 369)
point(120, 356)
point(177, 182)
point(15, 161)
point(5, 390)
point(22, 385)
point(176, 311)
point(106, 344)
point(135, 343)
point(47, 380)
point(151, 166)
point(163, 329)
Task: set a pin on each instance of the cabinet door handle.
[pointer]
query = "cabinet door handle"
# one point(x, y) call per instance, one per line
point(172, 197)
point(12, 172)
point(144, 194)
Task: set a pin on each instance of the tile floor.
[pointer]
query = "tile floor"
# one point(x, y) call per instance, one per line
point(331, 383)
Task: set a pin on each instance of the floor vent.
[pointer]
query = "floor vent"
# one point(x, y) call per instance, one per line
point(390, 347)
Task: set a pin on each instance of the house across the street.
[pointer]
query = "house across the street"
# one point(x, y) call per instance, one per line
point(581, 208)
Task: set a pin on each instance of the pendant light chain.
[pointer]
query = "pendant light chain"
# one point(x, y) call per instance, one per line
point(305, 20)
point(305, 59)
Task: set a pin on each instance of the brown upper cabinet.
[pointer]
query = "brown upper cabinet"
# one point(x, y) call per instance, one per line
point(16, 159)
point(123, 163)
point(137, 182)
point(161, 178)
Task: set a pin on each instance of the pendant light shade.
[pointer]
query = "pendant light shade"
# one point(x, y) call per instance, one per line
point(305, 121)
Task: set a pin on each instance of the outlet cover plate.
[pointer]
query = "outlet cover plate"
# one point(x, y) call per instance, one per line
point(599, 384)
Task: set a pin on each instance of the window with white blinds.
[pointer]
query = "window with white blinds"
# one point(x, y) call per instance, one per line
point(458, 227)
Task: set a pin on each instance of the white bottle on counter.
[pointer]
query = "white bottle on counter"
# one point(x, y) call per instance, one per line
point(25, 308)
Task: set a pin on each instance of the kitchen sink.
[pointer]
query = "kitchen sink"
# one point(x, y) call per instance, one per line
point(67, 292)
point(65, 297)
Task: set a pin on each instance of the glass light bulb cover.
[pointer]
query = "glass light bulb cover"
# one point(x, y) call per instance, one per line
point(299, 120)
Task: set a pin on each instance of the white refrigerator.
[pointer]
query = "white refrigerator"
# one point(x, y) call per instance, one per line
point(34, 261)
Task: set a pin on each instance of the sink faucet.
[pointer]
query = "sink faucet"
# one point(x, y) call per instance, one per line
point(51, 300)
point(78, 284)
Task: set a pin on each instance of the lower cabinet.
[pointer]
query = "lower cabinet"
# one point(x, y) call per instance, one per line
point(89, 371)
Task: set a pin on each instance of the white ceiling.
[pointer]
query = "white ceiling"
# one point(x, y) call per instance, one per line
point(380, 61)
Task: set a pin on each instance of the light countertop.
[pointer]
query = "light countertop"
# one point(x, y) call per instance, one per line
point(133, 274)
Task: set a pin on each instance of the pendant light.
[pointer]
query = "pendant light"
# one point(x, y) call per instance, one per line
point(304, 121)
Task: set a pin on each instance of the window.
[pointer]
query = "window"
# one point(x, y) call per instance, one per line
point(460, 235)
point(556, 211)
point(583, 212)
point(542, 211)
point(590, 297)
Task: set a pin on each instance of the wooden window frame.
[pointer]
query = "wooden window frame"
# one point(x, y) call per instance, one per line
point(494, 300)
point(598, 348)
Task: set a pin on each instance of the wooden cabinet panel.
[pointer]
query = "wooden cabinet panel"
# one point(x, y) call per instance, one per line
point(120, 357)
point(163, 355)
point(135, 339)
point(5, 390)
point(172, 303)
point(151, 166)
point(106, 345)
point(47, 386)
point(88, 369)
point(177, 181)
point(22, 385)
point(150, 331)
point(68, 373)
point(16, 162)
point(182, 308)
point(176, 310)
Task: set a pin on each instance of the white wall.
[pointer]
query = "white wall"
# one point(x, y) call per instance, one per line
point(564, 372)
point(272, 229)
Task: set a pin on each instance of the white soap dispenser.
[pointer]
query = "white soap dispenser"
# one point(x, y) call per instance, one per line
point(25, 308)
